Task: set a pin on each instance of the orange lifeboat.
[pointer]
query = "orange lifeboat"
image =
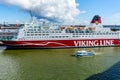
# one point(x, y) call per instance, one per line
point(81, 28)
point(92, 28)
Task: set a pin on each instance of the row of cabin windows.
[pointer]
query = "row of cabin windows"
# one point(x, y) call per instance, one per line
point(48, 37)
point(97, 34)
point(33, 29)
point(36, 34)
point(7, 34)
point(31, 37)
point(73, 34)
point(58, 36)
point(62, 36)
point(86, 36)
point(5, 38)
point(38, 31)
point(82, 36)
point(42, 32)
point(82, 33)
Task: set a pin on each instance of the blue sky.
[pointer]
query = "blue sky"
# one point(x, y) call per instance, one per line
point(12, 14)
point(109, 10)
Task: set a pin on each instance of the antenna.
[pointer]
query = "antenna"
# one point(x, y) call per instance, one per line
point(31, 15)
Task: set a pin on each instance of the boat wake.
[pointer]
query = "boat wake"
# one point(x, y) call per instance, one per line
point(98, 53)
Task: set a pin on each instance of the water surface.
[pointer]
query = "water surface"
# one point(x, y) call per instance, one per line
point(55, 64)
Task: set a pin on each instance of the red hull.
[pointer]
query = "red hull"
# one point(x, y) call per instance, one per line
point(63, 43)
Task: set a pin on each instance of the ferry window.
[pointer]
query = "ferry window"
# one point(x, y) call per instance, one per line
point(52, 36)
point(51, 31)
point(31, 34)
point(55, 36)
point(97, 33)
point(73, 34)
point(27, 34)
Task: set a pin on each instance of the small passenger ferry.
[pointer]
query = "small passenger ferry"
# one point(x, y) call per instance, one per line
point(32, 35)
point(84, 53)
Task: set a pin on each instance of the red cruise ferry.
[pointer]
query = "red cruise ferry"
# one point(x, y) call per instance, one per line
point(33, 35)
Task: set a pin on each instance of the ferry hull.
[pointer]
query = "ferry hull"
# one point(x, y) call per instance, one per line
point(62, 43)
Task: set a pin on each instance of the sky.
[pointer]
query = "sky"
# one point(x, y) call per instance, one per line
point(62, 11)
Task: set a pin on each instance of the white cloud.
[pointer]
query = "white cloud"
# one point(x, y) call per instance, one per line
point(59, 10)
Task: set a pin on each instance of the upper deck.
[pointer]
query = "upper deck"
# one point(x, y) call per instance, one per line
point(57, 32)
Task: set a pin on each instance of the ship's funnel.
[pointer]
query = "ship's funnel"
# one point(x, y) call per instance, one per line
point(96, 20)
